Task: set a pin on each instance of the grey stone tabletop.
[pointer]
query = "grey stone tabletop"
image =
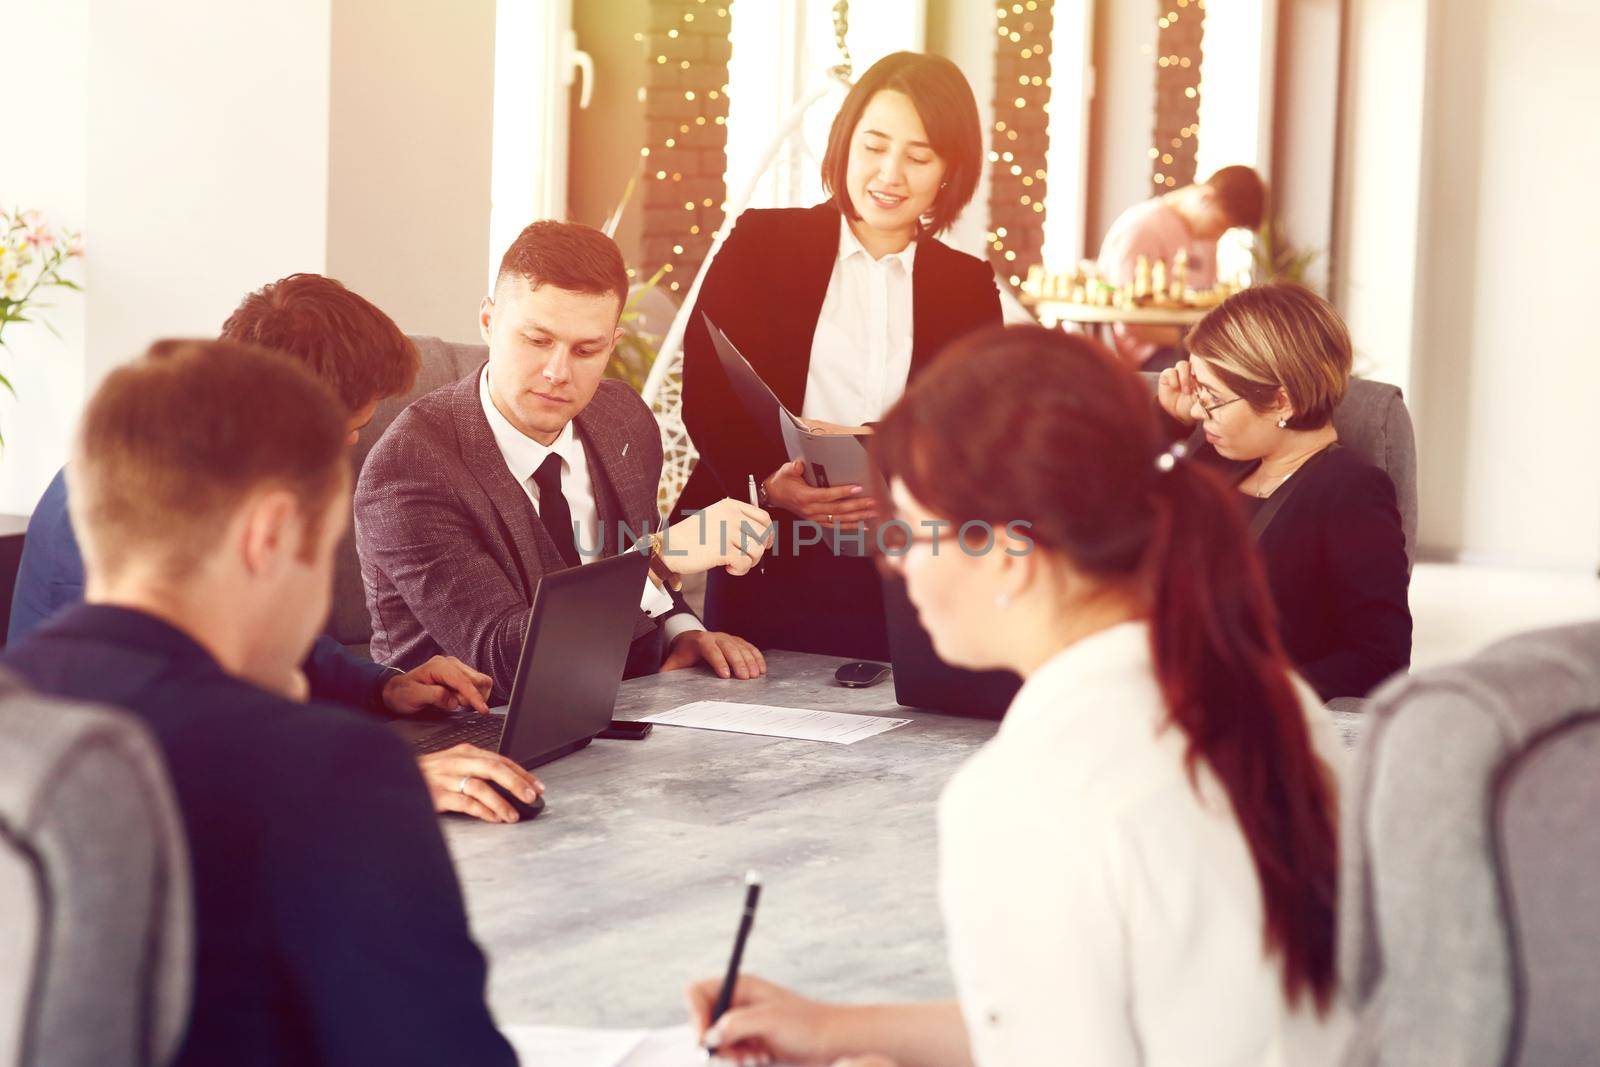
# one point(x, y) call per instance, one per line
point(630, 883)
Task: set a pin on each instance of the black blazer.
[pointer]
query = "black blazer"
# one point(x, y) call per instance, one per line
point(330, 927)
point(1335, 558)
point(765, 291)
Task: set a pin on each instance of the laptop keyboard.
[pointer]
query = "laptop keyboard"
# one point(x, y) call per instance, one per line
point(481, 730)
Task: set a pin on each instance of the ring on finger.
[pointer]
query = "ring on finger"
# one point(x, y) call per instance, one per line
point(461, 786)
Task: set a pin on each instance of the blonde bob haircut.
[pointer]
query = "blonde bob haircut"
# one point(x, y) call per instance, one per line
point(1278, 336)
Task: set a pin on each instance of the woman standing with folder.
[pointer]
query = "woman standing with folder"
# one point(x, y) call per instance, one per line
point(836, 307)
point(1139, 870)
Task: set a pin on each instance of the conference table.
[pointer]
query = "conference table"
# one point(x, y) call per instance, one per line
point(630, 884)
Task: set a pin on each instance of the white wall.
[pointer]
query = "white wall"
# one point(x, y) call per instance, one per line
point(43, 168)
point(1375, 266)
point(189, 141)
point(1305, 127)
point(409, 114)
point(1122, 117)
point(1505, 349)
point(207, 164)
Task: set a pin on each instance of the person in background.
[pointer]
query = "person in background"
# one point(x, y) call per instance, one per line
point(837, 306)
point(360, 354)
point(1189, 220)
point(532, 464)
point(1266, 371)
point(1140, 867)
point(209, 486)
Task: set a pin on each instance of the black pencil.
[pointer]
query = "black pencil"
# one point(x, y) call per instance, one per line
point(752, 895)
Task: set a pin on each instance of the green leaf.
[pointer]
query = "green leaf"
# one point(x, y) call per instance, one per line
point(7, 383)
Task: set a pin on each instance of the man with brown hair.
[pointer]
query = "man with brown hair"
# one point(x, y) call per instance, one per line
point(1189, 220)
point(531, 465)
point(360, 354)
point(210, 485)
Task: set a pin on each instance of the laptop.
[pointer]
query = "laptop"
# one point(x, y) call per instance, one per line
point(565, 689)
point(923, 680)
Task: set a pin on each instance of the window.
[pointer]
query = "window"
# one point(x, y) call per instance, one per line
point(782, 50)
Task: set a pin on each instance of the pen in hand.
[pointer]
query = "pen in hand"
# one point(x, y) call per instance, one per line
point(752, 896)
point(755, 502)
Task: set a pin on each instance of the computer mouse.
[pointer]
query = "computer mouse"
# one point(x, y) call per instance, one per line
point(525, 811)
point(861, 673)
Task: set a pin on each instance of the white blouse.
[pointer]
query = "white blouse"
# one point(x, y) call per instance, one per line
point(861, 351)
point(1098, 911)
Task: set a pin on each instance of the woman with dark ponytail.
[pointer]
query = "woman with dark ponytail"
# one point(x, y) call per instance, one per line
point(1140, 868)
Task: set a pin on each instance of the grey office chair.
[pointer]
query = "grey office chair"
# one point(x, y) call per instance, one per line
point(443, 362)
point(1470, 875)
point(96, 934)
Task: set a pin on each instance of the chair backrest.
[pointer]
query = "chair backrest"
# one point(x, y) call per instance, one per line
point(1373, 422)
point(96, 927)
point(1470, 880)
point(443, 362)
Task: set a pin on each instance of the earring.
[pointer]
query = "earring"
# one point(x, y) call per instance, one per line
point(1002, 600)
point(1283, 424)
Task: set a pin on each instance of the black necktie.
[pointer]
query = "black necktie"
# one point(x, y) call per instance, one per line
point(553, 510)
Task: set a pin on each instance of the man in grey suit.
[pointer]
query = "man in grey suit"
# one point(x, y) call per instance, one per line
point(531, 465)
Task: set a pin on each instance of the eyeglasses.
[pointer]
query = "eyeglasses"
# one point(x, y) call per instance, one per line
point(1211, 405)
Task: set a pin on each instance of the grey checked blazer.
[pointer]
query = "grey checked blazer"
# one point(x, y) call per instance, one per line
point(451, 548)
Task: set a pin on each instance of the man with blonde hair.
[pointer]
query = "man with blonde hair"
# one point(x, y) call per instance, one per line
point(209, 486)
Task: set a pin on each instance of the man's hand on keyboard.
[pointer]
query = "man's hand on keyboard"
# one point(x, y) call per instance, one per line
point(458, 780)
point(443, 682)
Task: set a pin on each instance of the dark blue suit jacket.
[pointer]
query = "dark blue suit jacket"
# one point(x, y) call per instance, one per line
point(330, 924)
point(51, 578)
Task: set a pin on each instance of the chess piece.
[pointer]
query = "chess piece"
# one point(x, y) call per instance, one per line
point(1158, 282)
point(1141, 278)
point(1033, 284)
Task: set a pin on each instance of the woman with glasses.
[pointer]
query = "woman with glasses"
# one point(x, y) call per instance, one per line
point(837, 306)
point(1140, 867)
point(1266, 370)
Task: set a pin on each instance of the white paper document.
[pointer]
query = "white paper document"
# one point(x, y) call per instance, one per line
point(567, 1046)
point(801, 724)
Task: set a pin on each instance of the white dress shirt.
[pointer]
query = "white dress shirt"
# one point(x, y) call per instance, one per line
point(861, 352)
point(1098, 911)
point(523, 456)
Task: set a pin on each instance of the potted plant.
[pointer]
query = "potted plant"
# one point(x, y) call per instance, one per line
point(33, 257)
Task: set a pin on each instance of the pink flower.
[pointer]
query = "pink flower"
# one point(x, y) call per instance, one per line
point(75, 245)
point(40, 238)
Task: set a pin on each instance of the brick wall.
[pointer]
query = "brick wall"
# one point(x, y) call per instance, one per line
point(1179, 32)
point(686, 112)
point(1019, 136)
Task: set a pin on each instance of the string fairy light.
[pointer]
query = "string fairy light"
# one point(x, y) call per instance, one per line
point(1179, 29)
point(1022, 30)
point(667, 165)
